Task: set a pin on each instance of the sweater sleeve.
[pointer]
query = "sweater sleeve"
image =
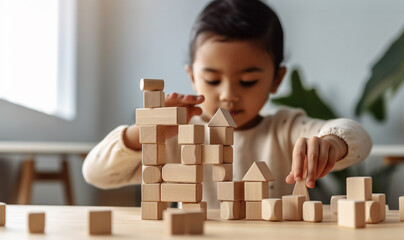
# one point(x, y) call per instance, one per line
point(110, 164)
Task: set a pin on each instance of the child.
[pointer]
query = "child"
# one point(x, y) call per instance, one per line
point(236, 56)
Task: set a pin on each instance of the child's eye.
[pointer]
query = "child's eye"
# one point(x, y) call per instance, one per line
point(248, 83)
point(212, 82)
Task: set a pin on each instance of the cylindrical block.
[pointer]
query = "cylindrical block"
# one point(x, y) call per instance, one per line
point(372, 212)
point(151, 84)
point(272, 209)
point(151, 174)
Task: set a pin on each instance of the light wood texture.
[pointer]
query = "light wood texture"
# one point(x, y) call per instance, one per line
point(256, 191)
point(253, 210)
point(292, 207)
point(258, 172)
point(153, 99)
point(222, 172)
point(359, 188)
point(100, 222)
point(151, 192)
point(272, 209)
point(153, 210)
point(401, 208)
point(2, 214)
point(351, 213)
point(191, 134)
point(222, 118)
point(181, 192)
point(179, 173)
point(227, 154)
point(221, 135)
point(313, 211)
point(230, 191)
point(200, 206)
point(194, 222)
point(36, 222)
point(191, 154)
point(381, 199)
point(174, 222)
point(212, 154)
point(153, 154)
point(151, 174)
point(301, 189)
point(232, 210)
point(372, 212)
point(334, 202)
point(151, 84)
point(45, 148)
point(152, 134)
point(161, 116)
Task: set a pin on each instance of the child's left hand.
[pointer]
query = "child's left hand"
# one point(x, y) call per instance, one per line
point(316, 157)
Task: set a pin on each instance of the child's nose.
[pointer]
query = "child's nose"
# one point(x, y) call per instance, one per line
point(229, 94)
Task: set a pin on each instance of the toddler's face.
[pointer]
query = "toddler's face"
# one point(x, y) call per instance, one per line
point(235, 75)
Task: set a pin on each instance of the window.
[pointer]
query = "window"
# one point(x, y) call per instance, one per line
point(37, 55)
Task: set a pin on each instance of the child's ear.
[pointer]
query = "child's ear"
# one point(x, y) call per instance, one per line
point(278, 79)
point(190, 72)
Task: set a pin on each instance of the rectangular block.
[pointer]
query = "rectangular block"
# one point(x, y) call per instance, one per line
point(151, 174)
point(271, 209)
point(212, 154)
point(100, 222)
point(222, 172)
point(381, 199)
point(151, 84)
point(313, 211)
point(227, 154)
point(179, 173)
point(181, 192)
point(153, 154)
point(151, 192)
point(191, 154)
point(174, 222)
point(152, 134)
point(253, 210)
point(153, 99)
point(153, 210)
point(200, 206)
point(401, 208)
point(191, 134)
point(194, 222)
point(334, 202)
point(256, 191)
point(359, 188)
point(36, 222)
point(221, 135)
point(2, 214)
point(292, 207)
point(351, 213)
point(230, 191)
point(161, 116)
point(232, 210)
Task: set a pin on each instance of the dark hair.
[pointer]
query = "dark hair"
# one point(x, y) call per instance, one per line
point(250, 20)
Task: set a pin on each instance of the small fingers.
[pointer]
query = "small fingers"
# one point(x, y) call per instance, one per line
point(332, 159)
point(299, 155)
point(323, 158)
point(313, 147)
point(290, 178)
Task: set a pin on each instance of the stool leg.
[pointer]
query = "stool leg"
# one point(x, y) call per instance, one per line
point(26, 179)
point(67, 181)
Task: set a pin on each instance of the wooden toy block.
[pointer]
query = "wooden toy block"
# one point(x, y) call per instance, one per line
point(151, 174)
point(202, 206)
point(313, 211)
point(180, 173)
point(152, 134)
point(401, 208)
point(258, 172)
point(221, 135)
point(194, 222)
point(153, 210)
point(256, 191)
point(232, 210)
point(181, 192)
point(359, 188)
point(227, 154)
point(372, 212)
point(222, 172)
point(2, 214)
point(381, 199)
point(272, 209)
point(100, 222)
point(191, 134)
point(161, 116)
point(351, 213)
point(292, 207)
point(151, 84)
point(153, 154)
point(230, 191)
point(222, 118)
point(153, 99)
point(212, 154)
point(151, 192)
point(174, 222)
point(36, 222)
point(301, 189)
point(191, 154)
point(334, 202)
point(253, 210)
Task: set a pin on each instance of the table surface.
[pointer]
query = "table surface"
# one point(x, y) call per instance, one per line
point(70, 222)
point(46, 147)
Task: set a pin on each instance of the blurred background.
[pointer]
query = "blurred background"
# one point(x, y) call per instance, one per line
point(70, 69)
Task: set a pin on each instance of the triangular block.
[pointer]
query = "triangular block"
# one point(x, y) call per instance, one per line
point(301, 189)
point(258, 172)
point(222, 118)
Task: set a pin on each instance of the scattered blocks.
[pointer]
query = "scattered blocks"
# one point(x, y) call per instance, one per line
point(180, 173)
point(200, 206)
point(191, 134)
point(271, 209)
point(153, 210)
point(152, 134)
point(222, 172)
point(36, 222)
point(359, 188)
point(161, 116)
point(381, 199)
point(401, 207)
point(100, 222)
point(153, 99)
point(221, 135)
point(151, 174)
point(151, 192)
point(301, 189)
point(183, 222)
point(351, 213)
point(151, 84)
point(212, 154)
point(253, 210)
point(232, 210)
point(181, 192)
point(313, 211)
point(2, 214)
point(292, 207)
point(191, 154)
point(230, 191)
point(258, 172)
point(334, 202)
point(153, 154)
point(372, 212)
point(222, 118)
point(256, 191)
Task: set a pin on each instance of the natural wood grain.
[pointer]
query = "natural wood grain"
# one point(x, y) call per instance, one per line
point(179, 173)
point(181, 192)
point(212, 154)
point(258, 172)
point(221, 135)
point(151, 84)
point(230, 191)
point(152, 134)
point(359, 188)
point(292, 207)
point(151, 192)
point(36, 222)
point(161, 116)
point(313, 211)
point(222, 118)
point(153, 154)
point(153, 99)
point(191, 134)
point(351, 213)
point(2, 214)
point(191, 154)
point(256, 191)
point(222, 172)
point(202, 205)
point(381, 199)
point(272, 209)
point(100, 222)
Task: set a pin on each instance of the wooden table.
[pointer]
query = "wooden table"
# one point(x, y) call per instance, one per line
point(70, 222)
